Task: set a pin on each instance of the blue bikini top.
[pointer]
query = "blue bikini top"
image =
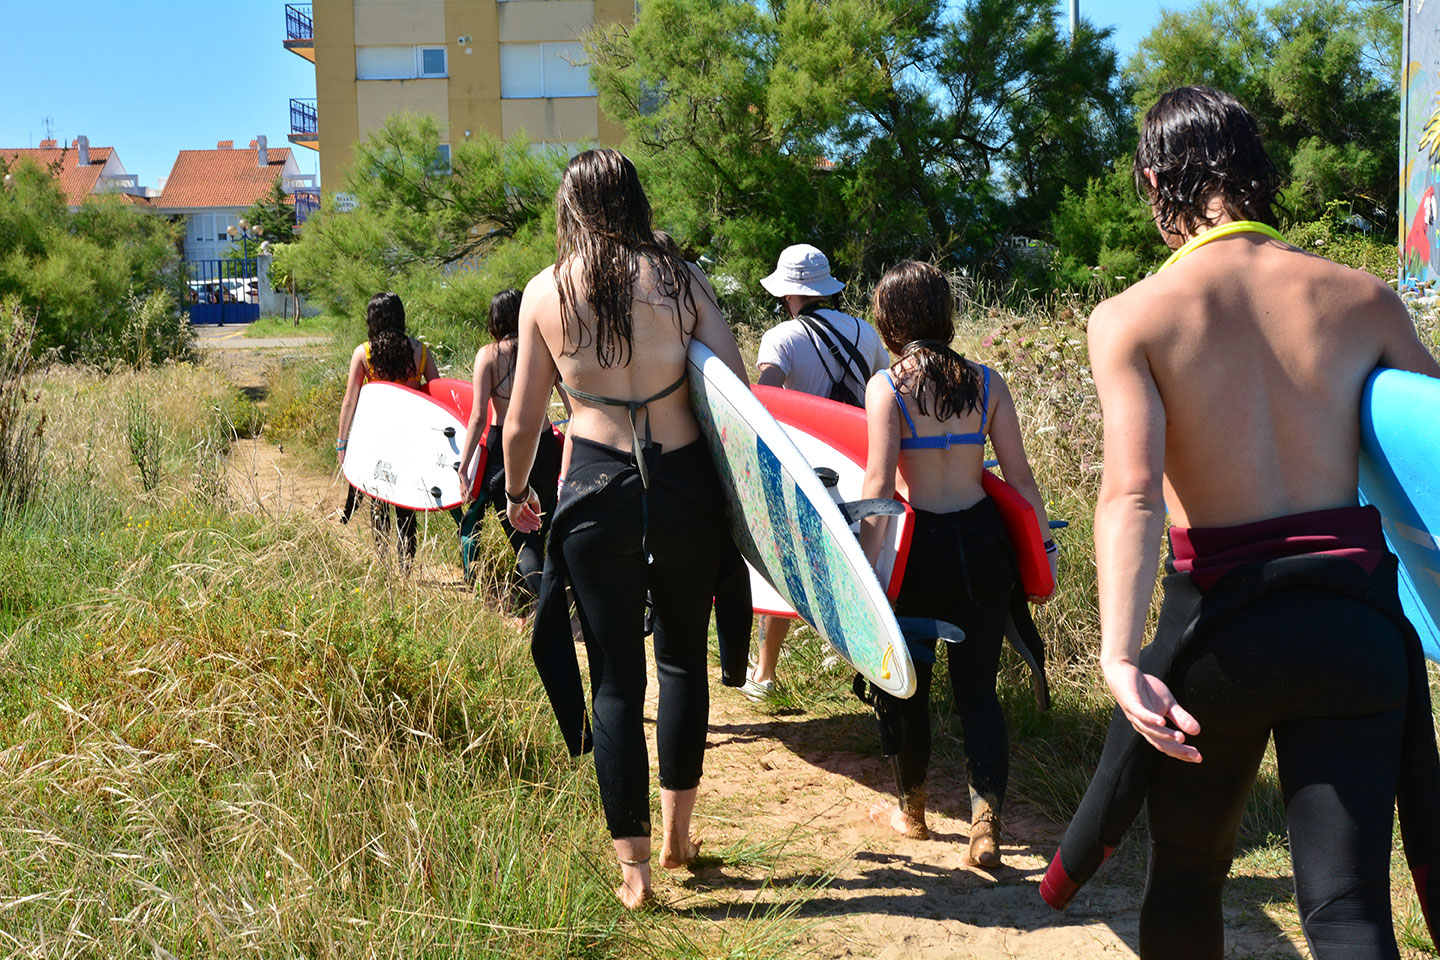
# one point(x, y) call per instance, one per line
point(943, 441)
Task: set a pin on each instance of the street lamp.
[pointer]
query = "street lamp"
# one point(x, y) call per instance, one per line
point(245, 234)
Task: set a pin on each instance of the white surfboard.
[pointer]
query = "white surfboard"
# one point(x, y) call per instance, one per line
point(791, 531)
point(404, 448)
point(896, 530)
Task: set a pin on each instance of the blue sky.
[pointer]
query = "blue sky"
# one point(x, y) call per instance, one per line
point(156, 77)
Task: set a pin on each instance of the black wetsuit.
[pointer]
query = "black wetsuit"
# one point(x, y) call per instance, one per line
point(544, 477)
point(961, 570)
point(614, 540)
point(1293, 627)
point(636, 526)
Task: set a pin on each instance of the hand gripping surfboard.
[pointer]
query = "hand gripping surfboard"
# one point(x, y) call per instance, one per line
point(843, 428)
point(790, 530)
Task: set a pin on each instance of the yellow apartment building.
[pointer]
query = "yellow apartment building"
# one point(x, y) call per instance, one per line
point(502, 66)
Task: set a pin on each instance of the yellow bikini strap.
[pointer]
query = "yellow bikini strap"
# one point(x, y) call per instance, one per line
point(1224, 230)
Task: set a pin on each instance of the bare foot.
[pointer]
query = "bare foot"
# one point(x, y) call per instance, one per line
point(890, 815)
point(673, 856)
point(635, 899)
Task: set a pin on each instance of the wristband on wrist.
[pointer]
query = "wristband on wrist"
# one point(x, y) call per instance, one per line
point(520, 499)
point(341, 444)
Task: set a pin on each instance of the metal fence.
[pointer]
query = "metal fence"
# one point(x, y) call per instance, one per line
point(304, 118)
point(299, 24)
point(222, 291)
point(306, 203)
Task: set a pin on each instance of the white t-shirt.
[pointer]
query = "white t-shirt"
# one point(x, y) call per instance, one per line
point(808, 364)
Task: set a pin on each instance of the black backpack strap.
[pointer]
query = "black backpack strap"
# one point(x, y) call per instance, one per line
point(819, 326)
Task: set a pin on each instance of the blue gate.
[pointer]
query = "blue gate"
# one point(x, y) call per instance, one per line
point(222, 291)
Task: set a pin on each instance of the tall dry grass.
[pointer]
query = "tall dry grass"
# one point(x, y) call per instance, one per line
point(233, 732)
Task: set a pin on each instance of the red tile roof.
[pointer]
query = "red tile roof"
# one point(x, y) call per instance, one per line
point(220, 178)
point(75, 181)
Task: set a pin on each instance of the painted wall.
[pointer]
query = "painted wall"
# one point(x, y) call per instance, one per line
point(551, 118)
point(469, 99)
point(335, 89)
point(1420, 142)
point(398, 22)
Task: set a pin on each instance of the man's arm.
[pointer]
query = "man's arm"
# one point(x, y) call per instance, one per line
point(1402, 348)
point(771, 376)
point(1129, 516)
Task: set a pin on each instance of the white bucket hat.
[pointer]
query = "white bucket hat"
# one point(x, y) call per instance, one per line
point(802, 270)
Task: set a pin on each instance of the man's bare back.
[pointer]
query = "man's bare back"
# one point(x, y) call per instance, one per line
point(1259, 353)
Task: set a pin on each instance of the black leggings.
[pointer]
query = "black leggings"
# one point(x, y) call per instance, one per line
point(529, 547)
point(1328, 676)
point(684, 533)
point(959, 570)
point(405, 538)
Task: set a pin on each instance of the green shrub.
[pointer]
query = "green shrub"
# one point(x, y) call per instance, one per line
point(93, 279)
point(1335, 237)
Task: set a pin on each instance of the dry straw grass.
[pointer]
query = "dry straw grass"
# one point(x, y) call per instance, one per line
point(232, 731)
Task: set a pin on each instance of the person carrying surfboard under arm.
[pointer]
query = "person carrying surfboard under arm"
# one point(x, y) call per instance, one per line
point(816, 350)
point(391, 355)
point(928, 416)
point(641, 506)
point(494, 379)
point(1230, 384)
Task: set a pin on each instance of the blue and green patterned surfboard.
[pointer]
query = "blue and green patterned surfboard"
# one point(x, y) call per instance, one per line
point(790, 529)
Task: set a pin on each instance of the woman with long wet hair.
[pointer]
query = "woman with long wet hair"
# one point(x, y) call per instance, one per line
point(493, 383)
point(641, 508)
point(928, 416)
point(392, 355)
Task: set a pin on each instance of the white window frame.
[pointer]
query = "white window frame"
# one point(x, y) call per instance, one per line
point(547, 52)
point(416, 70)
point(420, 62)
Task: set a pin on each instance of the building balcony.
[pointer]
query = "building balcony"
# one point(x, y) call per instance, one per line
point(300, 30)
point(306, 203)
point(304, 123)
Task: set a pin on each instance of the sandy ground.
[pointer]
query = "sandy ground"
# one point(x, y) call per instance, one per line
point(796, 791)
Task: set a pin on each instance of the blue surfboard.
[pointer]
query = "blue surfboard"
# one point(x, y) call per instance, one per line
point(1400, 475)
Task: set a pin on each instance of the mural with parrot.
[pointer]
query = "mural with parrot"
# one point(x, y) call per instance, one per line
point(1420, 143)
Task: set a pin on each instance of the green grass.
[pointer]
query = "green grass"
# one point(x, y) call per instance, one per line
point(232, 733)
point(236, 733)
point(324, 325)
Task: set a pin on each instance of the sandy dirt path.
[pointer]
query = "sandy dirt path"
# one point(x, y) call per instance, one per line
point(784, 816)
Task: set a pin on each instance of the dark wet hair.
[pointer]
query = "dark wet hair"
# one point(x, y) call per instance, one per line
point(391, 356)
point(603, 220)
point(503, 317)
point(1200, 142)
point(915, 314)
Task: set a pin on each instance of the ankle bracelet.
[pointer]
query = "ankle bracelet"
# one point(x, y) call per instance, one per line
point(633, 863)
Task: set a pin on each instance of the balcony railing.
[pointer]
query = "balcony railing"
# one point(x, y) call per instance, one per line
point(299, 23)
point(306, 203)
point(304, 119)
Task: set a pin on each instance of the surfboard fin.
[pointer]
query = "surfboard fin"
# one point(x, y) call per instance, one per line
point(1035, 659)
point(856, 510)
point(927, 628)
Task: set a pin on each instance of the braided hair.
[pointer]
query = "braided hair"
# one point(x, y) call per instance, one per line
point(915, 314)
point(391, 355)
